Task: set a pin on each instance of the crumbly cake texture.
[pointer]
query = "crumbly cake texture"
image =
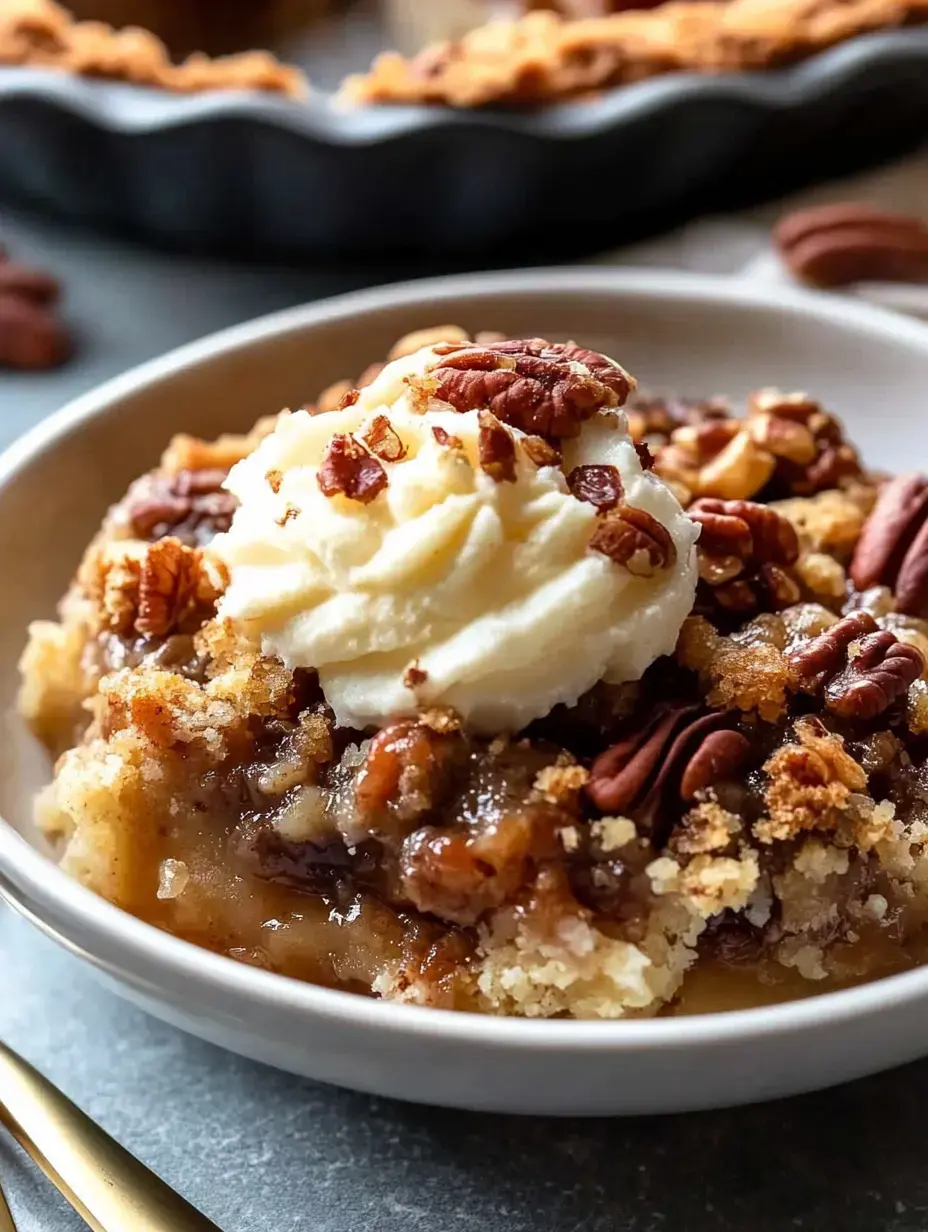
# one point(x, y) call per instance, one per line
point(543, 57)
point(754, 806)
point(45, 35)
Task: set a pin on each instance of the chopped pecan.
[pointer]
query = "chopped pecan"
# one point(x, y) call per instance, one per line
point(190, 505)
point(445, 438)
point(715, 458)
point(634, 539)
point(530, 384)
point(458, 875)
point(893, 545)
point(414, 676)
point(599, 484)
point(663, 764)
point(274, 479)
point(402, 775)
point(348, 469)
point(540, 452)
point(844, 242)
point(743, 548)
point(495, 448)
point(833, 462)
point(382, 439)
point(654, 418)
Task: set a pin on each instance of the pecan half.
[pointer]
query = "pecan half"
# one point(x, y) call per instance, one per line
point(189, 505)
point(874, 678)
point(747, 529)
point(529, 383)
point(833, 245)
point(743, 550)
point(496, 449)
point(347, 469)
point(598, 484)
point(634, 539)
point(30, 336)
point(861, 668)
point(662, 765)
point(893, 545)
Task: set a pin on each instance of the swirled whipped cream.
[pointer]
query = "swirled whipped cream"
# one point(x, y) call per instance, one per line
point(418, 551)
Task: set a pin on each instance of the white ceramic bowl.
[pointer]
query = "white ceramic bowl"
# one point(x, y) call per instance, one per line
point(691, 333)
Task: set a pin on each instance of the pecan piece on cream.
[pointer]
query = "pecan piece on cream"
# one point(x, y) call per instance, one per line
point(347, 469)
point(598, 483)
point(382, 439)
point(634, 539)
point(446, 439)
point(530, 384)
point(893, 545)
point(845, 242)
point(496, 449)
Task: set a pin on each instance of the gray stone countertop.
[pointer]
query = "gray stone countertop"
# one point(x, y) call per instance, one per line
point(260, 1151)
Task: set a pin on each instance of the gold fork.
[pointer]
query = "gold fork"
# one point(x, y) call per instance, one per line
point(108, 1187)
point(6, 1216)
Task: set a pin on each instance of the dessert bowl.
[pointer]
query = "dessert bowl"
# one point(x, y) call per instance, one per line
point(676, 332)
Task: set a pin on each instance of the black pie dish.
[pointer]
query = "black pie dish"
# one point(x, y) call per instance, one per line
point(255, 174)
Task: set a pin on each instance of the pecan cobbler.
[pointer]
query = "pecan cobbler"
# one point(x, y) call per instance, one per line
point(467, 688)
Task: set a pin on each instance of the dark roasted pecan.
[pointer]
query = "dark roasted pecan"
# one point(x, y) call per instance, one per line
point(874, 678)
point(529, 384)
point(540, 452)
point(833, 245)
point(599, 484)
point(403, 775)
point(663, 764)
point(190, 505)
point(348, 469)
point(496, 449)
point(382, 439)
point(26, 283)
point(634, 539)
point(893, 546)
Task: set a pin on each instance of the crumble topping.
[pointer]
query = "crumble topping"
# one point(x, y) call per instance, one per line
point(754, 803)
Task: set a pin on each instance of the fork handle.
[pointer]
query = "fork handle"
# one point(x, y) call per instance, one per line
point(108, 1187)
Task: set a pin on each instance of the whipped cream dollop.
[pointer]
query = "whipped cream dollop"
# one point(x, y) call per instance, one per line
point(415, 558)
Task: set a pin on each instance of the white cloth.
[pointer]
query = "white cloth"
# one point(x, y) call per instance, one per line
point(739, 245)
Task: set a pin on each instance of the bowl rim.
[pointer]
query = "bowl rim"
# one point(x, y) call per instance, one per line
point(26, 874)
point(127, 108)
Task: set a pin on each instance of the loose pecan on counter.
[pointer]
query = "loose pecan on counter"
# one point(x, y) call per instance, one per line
point(31, 336)
point(860, 668)
point(529, 383)
point(893, 546)
point(833, 245)
point(744, 551)
point(679, 752)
